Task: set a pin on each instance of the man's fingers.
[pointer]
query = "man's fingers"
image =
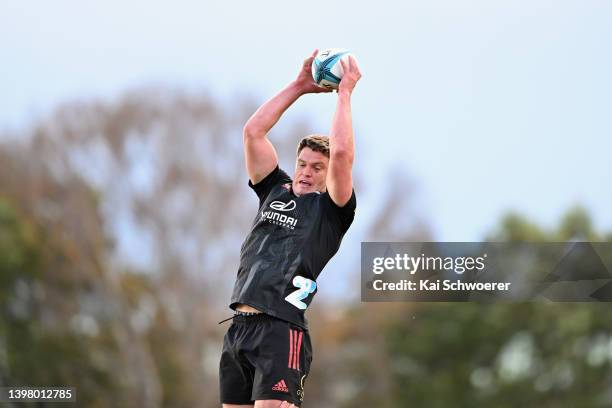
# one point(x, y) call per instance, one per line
point(345, 69)
point(308, 61)
point(354, 65)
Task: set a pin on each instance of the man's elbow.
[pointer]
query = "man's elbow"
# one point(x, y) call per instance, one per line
point(252, 131)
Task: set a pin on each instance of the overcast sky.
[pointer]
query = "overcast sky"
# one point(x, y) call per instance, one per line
point(490, 106)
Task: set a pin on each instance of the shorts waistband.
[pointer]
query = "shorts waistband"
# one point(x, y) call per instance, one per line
point(245, 318)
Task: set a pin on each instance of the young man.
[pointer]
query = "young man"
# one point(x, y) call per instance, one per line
point(267, 352)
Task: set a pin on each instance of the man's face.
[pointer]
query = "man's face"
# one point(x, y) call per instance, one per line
point(310, 172)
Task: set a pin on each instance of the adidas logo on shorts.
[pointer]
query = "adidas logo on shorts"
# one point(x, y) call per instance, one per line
point(280, 386)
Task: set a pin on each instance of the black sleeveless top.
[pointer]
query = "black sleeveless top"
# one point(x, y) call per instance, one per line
point(291, 240)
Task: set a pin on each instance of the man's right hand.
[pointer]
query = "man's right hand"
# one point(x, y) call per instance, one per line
point(350, 77)
point(304, 80)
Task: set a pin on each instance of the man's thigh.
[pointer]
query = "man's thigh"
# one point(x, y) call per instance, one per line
point(235, 372)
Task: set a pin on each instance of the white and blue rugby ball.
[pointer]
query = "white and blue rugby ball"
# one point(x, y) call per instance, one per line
point(326, 68)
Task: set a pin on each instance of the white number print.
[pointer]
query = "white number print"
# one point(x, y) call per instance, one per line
point(306, 287)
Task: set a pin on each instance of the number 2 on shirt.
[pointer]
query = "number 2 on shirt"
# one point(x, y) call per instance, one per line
point(306, 287)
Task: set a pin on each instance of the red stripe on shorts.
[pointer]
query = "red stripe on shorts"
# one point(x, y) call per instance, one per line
point(297, 357)
point(295, 339)
point(290, 347)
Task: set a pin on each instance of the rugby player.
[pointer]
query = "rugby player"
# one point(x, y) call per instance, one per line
point(267, 352)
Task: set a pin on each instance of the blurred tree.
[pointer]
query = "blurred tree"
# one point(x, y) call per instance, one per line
point(516, 228)
point(120, 222)
point(56, 315)
point(577, 225)
point(502, 355)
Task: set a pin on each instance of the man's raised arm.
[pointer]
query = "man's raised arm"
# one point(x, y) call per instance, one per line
point(259, 152)
point(341, 145)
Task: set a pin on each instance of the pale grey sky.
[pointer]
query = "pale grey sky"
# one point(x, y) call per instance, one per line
point(490, 106)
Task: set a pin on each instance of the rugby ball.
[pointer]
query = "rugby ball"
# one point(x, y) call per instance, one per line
point(326, 68)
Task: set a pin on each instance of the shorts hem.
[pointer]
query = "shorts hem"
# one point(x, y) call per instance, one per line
point(281, 397)
point(236, 402)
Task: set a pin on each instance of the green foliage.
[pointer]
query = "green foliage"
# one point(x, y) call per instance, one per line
point(34, 350)
point(516, 228)
point(503, 355)
point(577, 224)
point(18, 249)
point(508, 354)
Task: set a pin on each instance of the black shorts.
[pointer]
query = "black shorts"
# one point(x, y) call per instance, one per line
point(264, 358)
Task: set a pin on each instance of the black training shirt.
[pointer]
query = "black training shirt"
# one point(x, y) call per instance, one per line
point(292, 238)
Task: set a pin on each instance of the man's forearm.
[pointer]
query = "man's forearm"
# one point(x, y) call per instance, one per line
point(270, 112)
point(341, 143)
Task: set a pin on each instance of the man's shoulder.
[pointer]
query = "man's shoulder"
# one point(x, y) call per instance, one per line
point(275, 178)
point(344, 215)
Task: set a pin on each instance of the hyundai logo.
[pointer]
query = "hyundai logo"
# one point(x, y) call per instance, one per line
point(280, 206)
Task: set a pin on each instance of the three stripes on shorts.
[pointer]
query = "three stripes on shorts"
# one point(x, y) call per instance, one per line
point(295, 344)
